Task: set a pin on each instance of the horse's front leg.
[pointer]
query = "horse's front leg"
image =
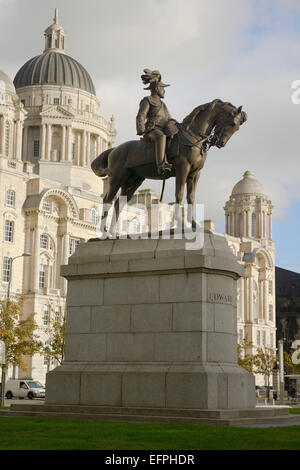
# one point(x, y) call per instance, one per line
point(192, 182)
point(182, 169)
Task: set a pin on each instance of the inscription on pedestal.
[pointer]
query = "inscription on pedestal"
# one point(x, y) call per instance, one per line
point(218, 298)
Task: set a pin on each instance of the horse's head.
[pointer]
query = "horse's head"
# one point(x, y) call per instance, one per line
point(228, 121)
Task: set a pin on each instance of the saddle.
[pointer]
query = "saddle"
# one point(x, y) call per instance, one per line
point(172, 148)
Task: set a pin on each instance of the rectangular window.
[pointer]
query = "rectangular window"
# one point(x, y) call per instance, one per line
point(42, 277)
point(10, 198)
point(270, 312)
point(44, 242)
point(73, 245)
point(46, 360)
point(58, 314)
point(36, 148)
point(9, 231)
point(87, 108)
point(6, 269)
point(271, 287)
point(73, 150)
point(271, 340)
point(56, 101)
point(263, 338)
point(46, 316)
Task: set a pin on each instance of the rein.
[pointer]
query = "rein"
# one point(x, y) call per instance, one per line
point(189, 136)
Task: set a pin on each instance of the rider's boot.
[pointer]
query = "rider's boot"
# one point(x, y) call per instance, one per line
point(163, 166)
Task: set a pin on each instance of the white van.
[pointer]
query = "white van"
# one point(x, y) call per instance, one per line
point(24, 388)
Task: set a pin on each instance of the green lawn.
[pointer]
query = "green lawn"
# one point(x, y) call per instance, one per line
point(58, 434)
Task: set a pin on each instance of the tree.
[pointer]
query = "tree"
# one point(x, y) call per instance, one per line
point(55, 345)
point(264, 362)
point(17, 334)
point(246, 359)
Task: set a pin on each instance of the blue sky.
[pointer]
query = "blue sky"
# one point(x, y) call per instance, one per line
point(286, 236)
point(243, 51)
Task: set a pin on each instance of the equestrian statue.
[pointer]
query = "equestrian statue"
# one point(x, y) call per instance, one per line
point(167, 148)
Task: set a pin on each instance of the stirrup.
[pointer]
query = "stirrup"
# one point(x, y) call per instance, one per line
point(164, 168)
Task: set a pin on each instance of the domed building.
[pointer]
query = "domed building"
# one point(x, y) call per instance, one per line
point(248, 215)
point(50, 132)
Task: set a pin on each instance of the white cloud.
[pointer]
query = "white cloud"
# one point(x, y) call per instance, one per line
point(236, 50)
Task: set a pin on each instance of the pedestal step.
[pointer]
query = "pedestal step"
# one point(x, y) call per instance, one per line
point(271, 416)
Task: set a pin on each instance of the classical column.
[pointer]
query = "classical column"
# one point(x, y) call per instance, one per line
point(261, 299)
point(249, 232)
point(69, 157)
point(83, 156)
point(36, 259)
point(43, 141)
point(63, 144)
point(49, 142)
point(270, 227)
point(11, 140)
point(19, 141)
point(88, 151)
point(245, 224)
point(233, 224)
point(3, 123)
point(77, 160)
point(98, 145)
point(66, 245)
point(242, 313)
point(14, 141)
point(25, 144)
point(265, 302)
point(250, 299)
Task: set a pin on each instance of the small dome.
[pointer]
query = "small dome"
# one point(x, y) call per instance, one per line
point(248, 185)
point(6, 84)
point(54, 68)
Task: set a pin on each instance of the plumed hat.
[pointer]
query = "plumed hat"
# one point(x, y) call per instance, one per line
point(152, 78)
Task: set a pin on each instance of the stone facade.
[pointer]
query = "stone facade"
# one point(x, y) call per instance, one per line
point(249, 233)
point(49, 134)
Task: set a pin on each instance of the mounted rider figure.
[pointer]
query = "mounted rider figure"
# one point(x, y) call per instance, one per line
point(154, 121)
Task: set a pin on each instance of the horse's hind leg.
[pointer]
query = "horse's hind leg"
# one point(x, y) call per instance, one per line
point(114, 186)
point(128, 189)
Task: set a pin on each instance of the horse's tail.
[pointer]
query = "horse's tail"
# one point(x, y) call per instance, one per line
point(100, 164)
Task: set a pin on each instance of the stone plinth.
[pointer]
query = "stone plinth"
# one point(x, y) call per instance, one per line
point(151, 323)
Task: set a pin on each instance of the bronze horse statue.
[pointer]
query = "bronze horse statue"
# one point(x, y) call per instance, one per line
point(129, 164)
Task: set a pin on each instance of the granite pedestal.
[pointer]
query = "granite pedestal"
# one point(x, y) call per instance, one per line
point(152, 324)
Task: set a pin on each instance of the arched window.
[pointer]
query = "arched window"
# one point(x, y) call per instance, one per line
point(254, 226)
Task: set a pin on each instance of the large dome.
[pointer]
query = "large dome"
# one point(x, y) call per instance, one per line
point(6, 84)
point(54, 68)
point(248, 185)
